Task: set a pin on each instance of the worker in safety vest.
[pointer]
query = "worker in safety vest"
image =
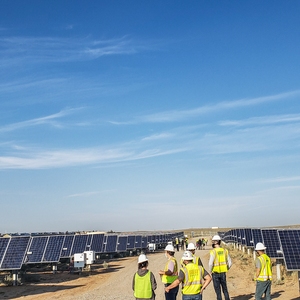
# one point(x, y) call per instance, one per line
point(170, 273)
point(196, 259)
point(263, 274)
point(177, 243)
point(144, 282)
point(194, 279)
point(218, 265)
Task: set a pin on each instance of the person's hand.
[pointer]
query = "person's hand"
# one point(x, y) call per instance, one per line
point(167, 290)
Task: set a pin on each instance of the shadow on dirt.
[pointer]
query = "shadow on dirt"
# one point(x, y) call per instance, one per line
point(251, 296)
point(38, 281)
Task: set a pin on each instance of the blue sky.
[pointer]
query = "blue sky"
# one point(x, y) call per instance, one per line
point(149, 115)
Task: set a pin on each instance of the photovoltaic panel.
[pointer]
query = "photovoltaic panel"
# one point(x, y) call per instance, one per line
point(130, 242)
point(144, 242)
point(36, 249)
point(243, 237)
point(227, 237)
point(3, 246)
point(151, 239)
point(88, 242)
point(67, 246)
point(111, 244)
point(104, 243)
point(271, 241)
point(159, 238)
point(169, 237)
point(15, 253)
point(257, 236)
point(79, 244)
point(138, 242)
point(97, 242)
point(234, 235)
point(248, 237)
point(122, 243)
point(54, 248)
point(239, 236)
point(290, 241)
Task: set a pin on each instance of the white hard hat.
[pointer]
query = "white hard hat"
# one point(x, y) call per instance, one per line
point(191, 246)
point(142, 258)
point(260, 246)
point(187, 255)
point(216, 238)
point(170, 248)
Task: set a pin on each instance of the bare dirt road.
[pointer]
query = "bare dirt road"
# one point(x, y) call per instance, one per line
point(114, 283)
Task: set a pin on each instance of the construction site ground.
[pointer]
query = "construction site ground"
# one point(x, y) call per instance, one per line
point(112, 280)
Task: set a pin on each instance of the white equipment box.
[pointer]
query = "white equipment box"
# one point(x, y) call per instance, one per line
point(79, 260)
point(89, 257)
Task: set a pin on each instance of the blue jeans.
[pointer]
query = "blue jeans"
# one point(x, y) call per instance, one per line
point(172, 293)
point(219, 280)
point(192, 297)
point(263, 287)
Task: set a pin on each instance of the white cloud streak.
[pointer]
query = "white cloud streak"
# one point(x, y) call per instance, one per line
point(50, 120)
point(265, 120)
point(182, 115)
point(49, 49)
point(39, 159)
point(282, 179)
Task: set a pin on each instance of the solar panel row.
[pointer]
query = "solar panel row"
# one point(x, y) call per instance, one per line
point(16, 251)
point(280, 243)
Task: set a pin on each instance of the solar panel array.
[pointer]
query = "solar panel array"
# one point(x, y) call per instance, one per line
point(280, 243)
point(18, 250)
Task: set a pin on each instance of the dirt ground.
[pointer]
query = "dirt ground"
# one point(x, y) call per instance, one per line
point(115, 281)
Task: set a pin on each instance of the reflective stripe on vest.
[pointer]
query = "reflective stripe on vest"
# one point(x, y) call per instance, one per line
point(173, 277)
point(265, 268)
point(142, 286)
point(220, 262)
point(193, 275)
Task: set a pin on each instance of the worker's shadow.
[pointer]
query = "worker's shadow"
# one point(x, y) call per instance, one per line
point(243, 297)
point(251, 296)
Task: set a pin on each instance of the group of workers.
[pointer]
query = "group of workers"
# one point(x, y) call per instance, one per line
point(194, 278)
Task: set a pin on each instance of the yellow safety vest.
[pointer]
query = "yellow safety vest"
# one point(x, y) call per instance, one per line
point(193, 275)
point(173, 277)
point(220, 262)
point(265, 270)
point(142, 286)
point(196, 260)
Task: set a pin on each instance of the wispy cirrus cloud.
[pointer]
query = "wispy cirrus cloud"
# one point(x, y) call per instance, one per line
point(252, 139)
point(53, 49)
point(81, 195)
point(282, 179)
point(49, 120)
point(28, 158)
point(265, 120)
point(159, 136)
point(182, 115)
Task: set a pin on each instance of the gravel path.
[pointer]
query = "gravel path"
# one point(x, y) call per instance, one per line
point(120, 285)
